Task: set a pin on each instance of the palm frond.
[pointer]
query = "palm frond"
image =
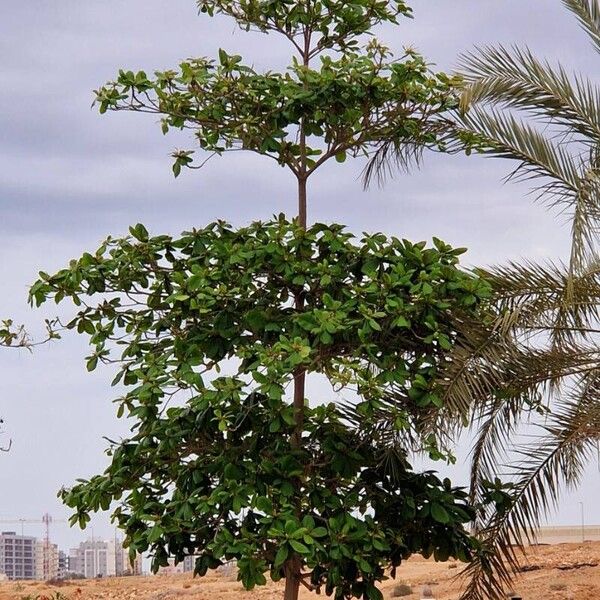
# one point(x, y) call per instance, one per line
point(586, 217)
point(497, 423)
point(401, 153)
point(548, 300)
point(556, 459)
point(483, 362)
point(516, 79)
point(588, 14)
point(389, 157)
point(538, 156)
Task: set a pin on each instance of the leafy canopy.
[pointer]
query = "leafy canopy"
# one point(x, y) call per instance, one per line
point(209, 468)
point(339, 23)
point(346, 104)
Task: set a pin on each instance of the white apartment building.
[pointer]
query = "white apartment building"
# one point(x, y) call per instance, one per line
point(93, 558)
point(17, 556)
point(99, 558)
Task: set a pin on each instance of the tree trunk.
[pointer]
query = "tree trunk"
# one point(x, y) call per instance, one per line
point(292, 587)
point(299, 381)
point(300, 374)
point(302, 202)
point(293, 570)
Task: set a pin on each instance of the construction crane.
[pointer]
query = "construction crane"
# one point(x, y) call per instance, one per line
point(46, 520)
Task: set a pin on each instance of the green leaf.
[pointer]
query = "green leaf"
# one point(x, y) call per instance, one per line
point(155, 534)
point(373, 593)
point(365, 567)
point(299, 547)
point(402, 321)
point(264, 504)
point(439, 513)
point(281, 555)
point(195, 282)
point(308, 522)
point(139, 232)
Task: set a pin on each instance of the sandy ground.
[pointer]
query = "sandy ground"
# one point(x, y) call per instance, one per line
point(559, 572)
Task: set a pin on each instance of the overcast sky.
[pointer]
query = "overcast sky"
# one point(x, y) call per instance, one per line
point(69, 177)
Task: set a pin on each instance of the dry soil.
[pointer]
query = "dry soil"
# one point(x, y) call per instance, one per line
point(558, 572)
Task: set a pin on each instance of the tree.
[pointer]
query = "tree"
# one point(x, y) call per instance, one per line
point(541, 356)
point(307, 116)
point(344, 106)
point(217, 465)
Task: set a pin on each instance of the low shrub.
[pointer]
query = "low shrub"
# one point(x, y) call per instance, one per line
point(402, 589)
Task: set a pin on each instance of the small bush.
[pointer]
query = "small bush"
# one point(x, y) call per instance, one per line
point(402, 589)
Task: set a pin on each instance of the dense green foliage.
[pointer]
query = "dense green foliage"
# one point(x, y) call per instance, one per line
point(209, 468)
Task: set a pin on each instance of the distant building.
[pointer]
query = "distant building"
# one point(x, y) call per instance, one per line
point(46, 561)
point(98, 558)
point(185, 566)
point(17, 556)
point(123, 565)
point(136, 568)
point(63, 564)
point(26, 557)
point(73, 561)
point(171, 568)
point(189, 563)
point(94, 558)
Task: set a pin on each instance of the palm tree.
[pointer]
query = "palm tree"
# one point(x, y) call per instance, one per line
point(531, 382)
point(541, 355)
point(534, 366)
